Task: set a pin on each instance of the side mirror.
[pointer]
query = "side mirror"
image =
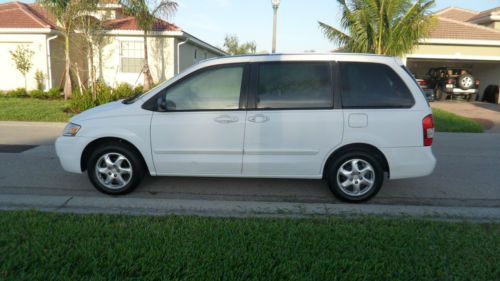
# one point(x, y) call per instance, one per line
point(161, 104)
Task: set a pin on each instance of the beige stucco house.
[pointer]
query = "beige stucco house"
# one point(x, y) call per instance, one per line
point(120, 59)
point(461, 38)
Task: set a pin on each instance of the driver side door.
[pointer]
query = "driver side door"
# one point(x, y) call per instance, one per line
point(202, 130)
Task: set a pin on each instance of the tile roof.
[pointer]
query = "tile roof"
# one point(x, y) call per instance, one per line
point(22, 15)
point(490, 12)
point(455, 13)
point(130, 23)
point(453, 29)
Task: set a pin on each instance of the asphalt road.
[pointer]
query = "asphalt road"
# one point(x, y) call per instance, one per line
point(467, 175)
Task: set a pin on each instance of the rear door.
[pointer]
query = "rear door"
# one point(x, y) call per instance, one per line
point(292, 122)
point(201, 132)
point(378, 106)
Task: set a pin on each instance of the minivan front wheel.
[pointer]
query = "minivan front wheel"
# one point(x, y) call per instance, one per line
point(115, 169)
point(355, 177)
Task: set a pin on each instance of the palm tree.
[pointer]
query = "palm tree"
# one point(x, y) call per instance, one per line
point(390, 27)
point(66, 12)
point(147, 13)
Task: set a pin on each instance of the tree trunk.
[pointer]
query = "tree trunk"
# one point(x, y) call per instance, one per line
point(93, 83)
point(67, 81)
point(148, 79)
point(26, 82)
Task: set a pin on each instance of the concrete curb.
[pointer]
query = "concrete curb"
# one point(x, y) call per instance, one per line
point(142, 206)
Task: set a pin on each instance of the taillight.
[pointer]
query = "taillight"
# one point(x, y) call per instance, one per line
point(451, 81)
point(428, 125)
point(478, 82)
point(422, 82)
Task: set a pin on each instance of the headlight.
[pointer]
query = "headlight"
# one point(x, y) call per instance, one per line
point(71, 130)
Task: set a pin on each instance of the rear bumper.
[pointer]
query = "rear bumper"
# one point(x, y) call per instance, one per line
point(410, 162)
point(69, 151)
point(461, 91)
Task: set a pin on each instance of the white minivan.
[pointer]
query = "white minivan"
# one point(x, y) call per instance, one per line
point(352, 120)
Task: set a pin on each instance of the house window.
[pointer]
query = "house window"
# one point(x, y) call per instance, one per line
point(132, 56)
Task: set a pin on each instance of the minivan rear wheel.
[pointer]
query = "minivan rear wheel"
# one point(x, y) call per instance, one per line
point(355, 176)
point(115, 169)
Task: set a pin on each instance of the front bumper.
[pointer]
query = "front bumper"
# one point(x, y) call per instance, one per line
point(69, 151)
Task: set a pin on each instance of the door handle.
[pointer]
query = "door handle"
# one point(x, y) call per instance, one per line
point(226, 119)
point(259, 118)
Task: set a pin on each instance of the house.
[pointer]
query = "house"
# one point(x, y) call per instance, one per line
point(464, 39)
point(119, 59)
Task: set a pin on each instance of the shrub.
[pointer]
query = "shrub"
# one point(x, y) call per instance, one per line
point(104, 93)
point(123, 91)
point(139, 89)
point(81, 101)
point(17, 93)
point(54, 93)
point(40, 79)
point(38, 94)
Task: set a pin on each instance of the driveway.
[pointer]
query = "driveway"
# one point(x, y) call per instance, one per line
point(487, 114)
point(466, 179)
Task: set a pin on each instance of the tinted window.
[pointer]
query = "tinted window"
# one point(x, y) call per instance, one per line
point(294, 85)
point(216, 89)
point(373, 85)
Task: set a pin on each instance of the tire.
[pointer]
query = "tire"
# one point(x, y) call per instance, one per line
point(466, 81)
point(471, 97)
point(440, 95)
point(338, 171)
point(125, 169)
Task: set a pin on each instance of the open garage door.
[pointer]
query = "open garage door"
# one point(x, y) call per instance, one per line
point(488, 72)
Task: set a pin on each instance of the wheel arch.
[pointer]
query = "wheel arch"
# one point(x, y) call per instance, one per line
point(377, 153)
point(107, 140)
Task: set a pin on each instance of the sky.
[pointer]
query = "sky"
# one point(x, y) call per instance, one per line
point(251, 20)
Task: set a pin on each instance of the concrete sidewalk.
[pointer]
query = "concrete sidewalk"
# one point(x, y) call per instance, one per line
point(29, 133)
point(142, 206)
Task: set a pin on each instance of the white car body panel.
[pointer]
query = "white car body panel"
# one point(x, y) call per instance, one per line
point(291, 144)
point(193, 143)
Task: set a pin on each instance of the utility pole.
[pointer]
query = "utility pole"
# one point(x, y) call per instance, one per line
point(276, 4)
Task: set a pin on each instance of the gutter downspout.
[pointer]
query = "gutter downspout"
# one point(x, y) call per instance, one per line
point(49, 64)
point(179, 54)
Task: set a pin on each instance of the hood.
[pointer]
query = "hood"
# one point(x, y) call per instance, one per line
point(102, 111)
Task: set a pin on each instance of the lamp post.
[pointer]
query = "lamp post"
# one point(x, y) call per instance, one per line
point(276, 4)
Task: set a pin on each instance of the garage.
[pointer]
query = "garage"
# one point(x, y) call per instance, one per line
point(461, 39)
point(487, 72)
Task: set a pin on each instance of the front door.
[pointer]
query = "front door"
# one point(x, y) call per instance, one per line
point(201, 132)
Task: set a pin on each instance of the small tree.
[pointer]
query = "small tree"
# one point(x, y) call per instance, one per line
point(147, 12)
point(66, 12)
point(232, 46)
point(22, 57)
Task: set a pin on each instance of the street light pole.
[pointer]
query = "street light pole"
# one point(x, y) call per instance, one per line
point(276, 4)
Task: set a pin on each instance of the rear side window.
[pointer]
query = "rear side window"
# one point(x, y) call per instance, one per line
point(373, 85)
point(294, 85)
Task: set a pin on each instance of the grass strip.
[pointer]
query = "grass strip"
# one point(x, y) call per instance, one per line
point(46, 246)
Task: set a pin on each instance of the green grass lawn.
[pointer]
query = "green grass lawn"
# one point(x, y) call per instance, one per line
point(27, 109)
point(449, 122)
point(45, 246)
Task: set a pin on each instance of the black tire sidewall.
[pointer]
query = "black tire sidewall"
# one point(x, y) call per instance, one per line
point(335, 165)
point(135, 161)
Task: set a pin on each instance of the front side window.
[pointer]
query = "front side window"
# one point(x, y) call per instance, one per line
point(294, 85)
point(132, 56)
point(215, 89)
point(372, 85)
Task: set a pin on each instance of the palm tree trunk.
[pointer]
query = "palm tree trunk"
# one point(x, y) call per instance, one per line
point(67, 80)
point(148, 79)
